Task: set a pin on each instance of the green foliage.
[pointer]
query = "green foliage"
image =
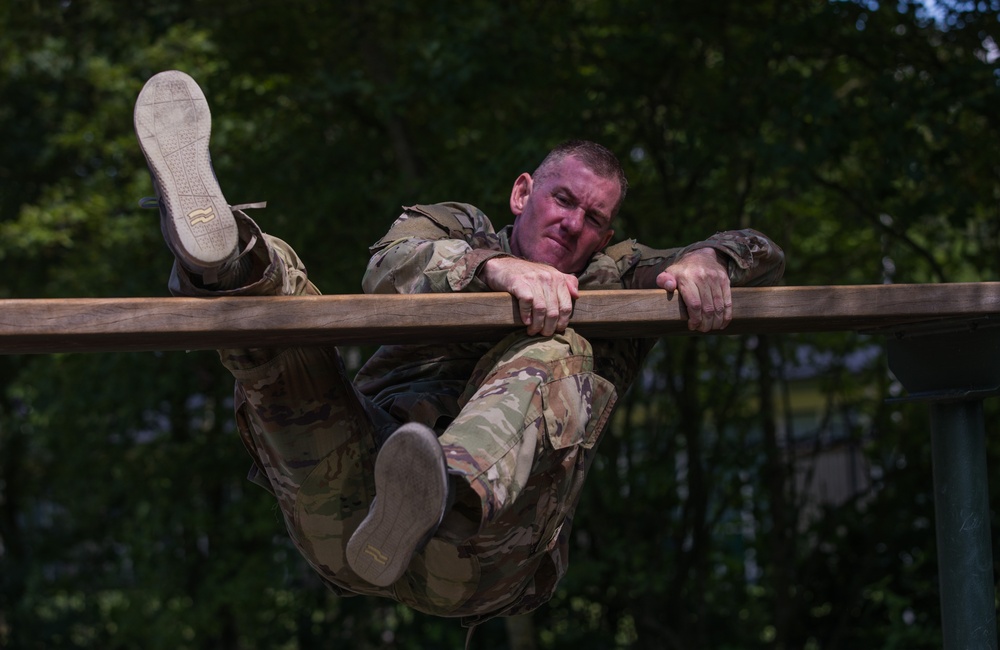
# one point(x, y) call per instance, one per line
point(859, 135)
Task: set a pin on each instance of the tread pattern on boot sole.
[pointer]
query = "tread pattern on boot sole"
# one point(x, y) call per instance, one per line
point(411, 487)
point(173, 124)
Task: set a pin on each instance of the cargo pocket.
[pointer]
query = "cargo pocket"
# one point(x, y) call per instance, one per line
point(576, 409)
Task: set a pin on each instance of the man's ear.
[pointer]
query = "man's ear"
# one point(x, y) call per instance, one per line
point(520, 192)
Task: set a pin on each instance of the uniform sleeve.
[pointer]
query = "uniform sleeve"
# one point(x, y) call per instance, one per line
point(752, 259)
point(432, 249)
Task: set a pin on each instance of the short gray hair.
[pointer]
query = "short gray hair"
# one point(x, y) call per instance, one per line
point(596, 157)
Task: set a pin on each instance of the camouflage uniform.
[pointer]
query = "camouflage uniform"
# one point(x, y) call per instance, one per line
point(518, 420)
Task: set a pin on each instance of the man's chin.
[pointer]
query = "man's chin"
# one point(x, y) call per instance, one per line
point(563, 266)
point(558, 263)
point(554, 255)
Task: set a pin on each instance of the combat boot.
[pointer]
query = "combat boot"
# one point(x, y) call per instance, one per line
point(411, 498)
point(173, 124)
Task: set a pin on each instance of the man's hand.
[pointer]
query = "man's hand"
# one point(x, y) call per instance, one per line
point(703, 282)
point(544, 295)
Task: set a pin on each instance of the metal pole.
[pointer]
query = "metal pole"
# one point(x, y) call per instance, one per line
point(954, 366)
point(962, 514)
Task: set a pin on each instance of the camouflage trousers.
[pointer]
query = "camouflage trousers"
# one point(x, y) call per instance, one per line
point(531, 413)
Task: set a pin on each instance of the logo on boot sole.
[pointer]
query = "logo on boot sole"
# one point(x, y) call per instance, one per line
point(202, 215)
point(376, 554)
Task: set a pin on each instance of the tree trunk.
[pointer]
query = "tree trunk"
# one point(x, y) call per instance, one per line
point(780, 534)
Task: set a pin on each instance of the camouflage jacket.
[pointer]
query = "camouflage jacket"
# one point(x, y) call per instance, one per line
point(440, 248)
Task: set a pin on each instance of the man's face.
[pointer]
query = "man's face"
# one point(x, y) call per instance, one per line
point(564, 217)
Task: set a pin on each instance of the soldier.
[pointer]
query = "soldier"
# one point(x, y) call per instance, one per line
point(443, 476)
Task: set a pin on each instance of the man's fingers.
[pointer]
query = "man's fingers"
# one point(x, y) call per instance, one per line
point(692, 300)
point(545, 301)
point(702, 279)
point(539, 313)
point(525, 308)
point(564, 307)
point(556, 308)
point(549, 311)
point(713, 306)
point(544, 295)
point(727, 306)
point(709, 304)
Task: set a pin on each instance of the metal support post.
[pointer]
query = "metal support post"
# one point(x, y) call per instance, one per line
point(962, 515)
point(953, 370)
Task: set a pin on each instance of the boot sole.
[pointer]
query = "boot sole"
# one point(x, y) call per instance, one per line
point(411, 488)
point(173, 124)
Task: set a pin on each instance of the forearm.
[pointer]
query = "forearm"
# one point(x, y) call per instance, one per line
point(751, 259)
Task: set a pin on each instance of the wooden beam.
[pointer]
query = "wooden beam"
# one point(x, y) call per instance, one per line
point(116, 324)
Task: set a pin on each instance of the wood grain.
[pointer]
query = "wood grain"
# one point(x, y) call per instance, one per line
point(34, 326)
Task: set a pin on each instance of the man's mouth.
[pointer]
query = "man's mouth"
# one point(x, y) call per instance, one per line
point(562, 244)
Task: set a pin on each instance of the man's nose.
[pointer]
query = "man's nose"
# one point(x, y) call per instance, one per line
point(573, 220)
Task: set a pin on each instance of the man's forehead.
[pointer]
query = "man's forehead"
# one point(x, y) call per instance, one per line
point(578, 177)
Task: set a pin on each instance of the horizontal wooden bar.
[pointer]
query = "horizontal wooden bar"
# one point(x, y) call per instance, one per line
point(33, 326)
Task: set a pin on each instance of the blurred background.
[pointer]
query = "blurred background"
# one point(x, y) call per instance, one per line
point(753, 491)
